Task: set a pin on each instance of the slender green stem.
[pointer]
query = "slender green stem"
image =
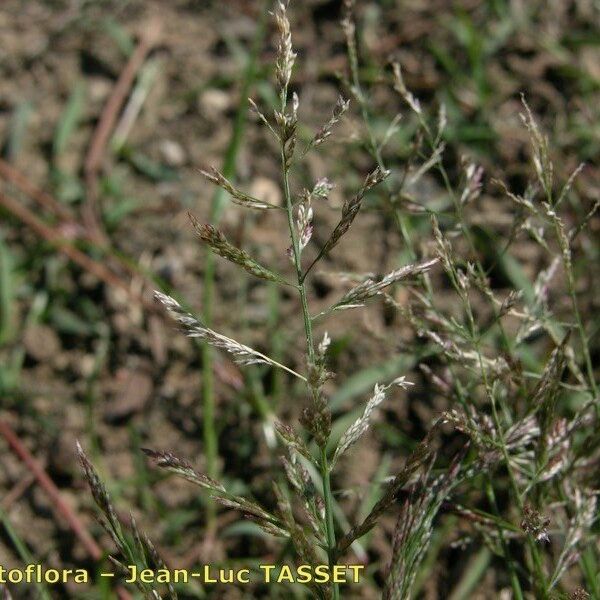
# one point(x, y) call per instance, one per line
point(296, 257)
point(329, 524)
point(514, 579)
point(23, 553)
point(489, 488)
point(579, 321)
point(324, 466)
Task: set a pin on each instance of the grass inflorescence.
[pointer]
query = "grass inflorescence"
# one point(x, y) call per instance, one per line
point(512, 458)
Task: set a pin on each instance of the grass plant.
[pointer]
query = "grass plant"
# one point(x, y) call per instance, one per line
point(513, 457)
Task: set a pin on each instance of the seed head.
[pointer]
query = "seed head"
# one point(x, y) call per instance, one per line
point(237, 196)
point(219, 244)
point(351, 207)
point(99, 491)
point(341, 106)
point(170, 462)
point(360, 426)
point(535, 524)
point(194, 328)
point(371, 287)
point(285, 53)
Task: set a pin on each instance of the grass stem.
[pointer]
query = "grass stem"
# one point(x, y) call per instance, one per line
point(324, 466)
point(329, 524)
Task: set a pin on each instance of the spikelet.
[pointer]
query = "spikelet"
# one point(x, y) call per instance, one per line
point(323, 346)
point(285, 52)
point(316, 417)
point(541, 154)
point(351, 207)
point(243, 355)
point(292, 440)
point(360, 426)
point(371, 287)
point(237, 195)
point(304, 222)
point(401, 88)
point(341, 106)
point(219, 244)
point(472, 186)
point(534, 524)
point(170, 462)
